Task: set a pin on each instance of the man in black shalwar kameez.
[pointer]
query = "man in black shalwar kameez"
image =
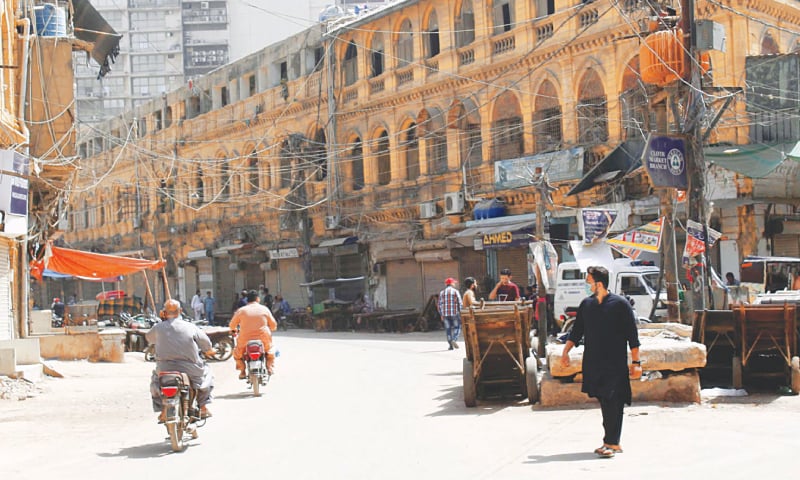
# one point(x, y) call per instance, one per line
point(607, 324)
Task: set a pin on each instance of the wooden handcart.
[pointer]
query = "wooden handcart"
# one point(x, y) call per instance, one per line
point(768, 331)
point(498, 350)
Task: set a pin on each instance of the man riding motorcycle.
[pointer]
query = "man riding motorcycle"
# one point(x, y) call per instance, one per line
point(255, 322)
point(177, 342)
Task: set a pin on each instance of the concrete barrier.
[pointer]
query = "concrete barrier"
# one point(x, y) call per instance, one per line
point(105, 346)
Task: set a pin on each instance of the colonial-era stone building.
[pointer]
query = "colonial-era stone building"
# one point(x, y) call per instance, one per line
point(369, 145)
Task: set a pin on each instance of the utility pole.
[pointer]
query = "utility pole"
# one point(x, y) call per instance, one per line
point(540, 182)
point(695, 162)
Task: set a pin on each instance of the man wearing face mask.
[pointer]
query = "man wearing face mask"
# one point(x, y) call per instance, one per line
point(607, 324)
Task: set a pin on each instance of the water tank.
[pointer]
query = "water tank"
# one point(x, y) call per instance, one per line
point(491, 208)
point(51, 21)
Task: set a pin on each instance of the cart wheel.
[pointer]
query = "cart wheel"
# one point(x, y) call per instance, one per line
point(531, 380)
point(469, 385)
point(795, 375)
point(736, 367)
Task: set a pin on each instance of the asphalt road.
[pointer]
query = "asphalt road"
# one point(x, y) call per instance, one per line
point(376, 406)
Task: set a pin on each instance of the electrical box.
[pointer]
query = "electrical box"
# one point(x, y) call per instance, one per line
point(709, 35)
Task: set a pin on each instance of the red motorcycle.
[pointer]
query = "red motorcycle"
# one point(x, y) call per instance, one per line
point(180, 411)
point(255, 359)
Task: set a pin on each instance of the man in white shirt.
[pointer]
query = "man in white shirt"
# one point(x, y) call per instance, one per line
point(197, 306)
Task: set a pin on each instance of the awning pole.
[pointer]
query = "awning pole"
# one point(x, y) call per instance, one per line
point(164, 272)
point(150, 299)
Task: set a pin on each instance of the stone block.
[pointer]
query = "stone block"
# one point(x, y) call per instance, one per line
point(27, 350)
point(681, 387)
point(105, 346)
point(8, 361)
point(655, 353)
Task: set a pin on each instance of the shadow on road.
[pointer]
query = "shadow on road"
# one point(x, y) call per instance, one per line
point(453, 398)
point(563, 457)
point(151, 450)
point(235, 396)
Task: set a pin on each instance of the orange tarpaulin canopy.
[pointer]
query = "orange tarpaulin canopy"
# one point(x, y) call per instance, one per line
point(89, 265)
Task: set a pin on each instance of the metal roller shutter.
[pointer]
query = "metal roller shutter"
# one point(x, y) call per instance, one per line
point(472, 263)
point(786, 245)
point(404, 289)
point(351, 266)
point(6, 318)
point(290, 276)
point(517, 260)
point(224, 279)
point(434, 275)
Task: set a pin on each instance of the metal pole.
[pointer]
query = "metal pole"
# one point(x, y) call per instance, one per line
point(541, 291)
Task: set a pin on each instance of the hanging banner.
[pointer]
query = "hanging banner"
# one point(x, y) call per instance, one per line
point(646, 237)
point(665, 160)
point(596, 223)
point(546, 258)
point(629, 252)
point(695, 240)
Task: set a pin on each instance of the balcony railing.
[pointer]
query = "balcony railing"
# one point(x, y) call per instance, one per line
point(350, 94)
point(432, 66)
point(543, 32)
point(405, 76)
point(588, 18)
point(312, 85)
point(376, 85)
point(503, 45)
point(466, 56)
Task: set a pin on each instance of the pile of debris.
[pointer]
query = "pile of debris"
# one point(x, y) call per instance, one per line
point(17, 388)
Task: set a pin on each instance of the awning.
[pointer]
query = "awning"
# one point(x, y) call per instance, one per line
point(754, 160)
point(336, 242)
point(229, 249)
point(624, 159)
point(465, 237)
point(433, 256)
point(195, 254)
point(92, 28)
point(88, 264)
point(331, 282)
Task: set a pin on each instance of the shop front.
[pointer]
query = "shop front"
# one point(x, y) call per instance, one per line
point(436, 263)
point(284, 274)
point(398, 275)
point(336, 258)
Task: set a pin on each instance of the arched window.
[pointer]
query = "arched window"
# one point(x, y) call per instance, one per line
point(507, 139)
point(502, 16)
point(411, 151)
point(225, 179)
point(86, 214)
point(383, 159)
point(432, 36)
point(267, 176)
point(430, 124)
point(465, 118)
point(318, 155)
point(252, 173)
point(592, 110)
point(405, 44)
point(637, 119)
point(120, 205)
point(285, 170)
point(199, 193)
point(350, 64)
point(769, 46)
point(377, 55)
point(547, 119)
point(465, 24)
point(357, 165)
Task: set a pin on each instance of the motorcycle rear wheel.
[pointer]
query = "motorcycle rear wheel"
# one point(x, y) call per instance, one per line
point(256, 383)
point(175, 431)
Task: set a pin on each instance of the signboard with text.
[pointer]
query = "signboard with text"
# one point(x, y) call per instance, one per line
point(665, 160)
point(284, 253)
point(559, 166)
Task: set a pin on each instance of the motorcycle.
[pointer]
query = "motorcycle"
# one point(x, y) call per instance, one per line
point(56, 321)
point(222, 343)
point(255, 359)
point(180, 410)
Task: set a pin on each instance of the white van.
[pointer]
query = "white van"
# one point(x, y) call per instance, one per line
point(625, 277)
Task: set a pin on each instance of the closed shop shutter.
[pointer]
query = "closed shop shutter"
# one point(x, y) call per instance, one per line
point(351, 266)
point(254, 276)
point(786, 245)
point(517, 260)
point(205, 275)
point(404, 288)
point(6, 319)
point(323, 266)
point(190, 283)
point(434, 275)
point(290, 276)
point(473, 264)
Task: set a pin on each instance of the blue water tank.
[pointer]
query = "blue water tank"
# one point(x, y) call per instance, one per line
point(491, 208)
point(51, 21)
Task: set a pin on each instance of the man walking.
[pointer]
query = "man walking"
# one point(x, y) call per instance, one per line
point(208, 304)
point(450, 310)
point(197, 305)
point(607, 324)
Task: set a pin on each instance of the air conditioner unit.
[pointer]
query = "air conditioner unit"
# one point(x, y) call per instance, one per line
point(331, 222)
point(204, 5)
point(453, 203)
point(427, 210)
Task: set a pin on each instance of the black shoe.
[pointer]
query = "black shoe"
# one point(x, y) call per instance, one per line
point(451, 346)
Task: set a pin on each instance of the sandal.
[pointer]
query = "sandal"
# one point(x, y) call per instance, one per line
point(598, 450)
point(605, 452)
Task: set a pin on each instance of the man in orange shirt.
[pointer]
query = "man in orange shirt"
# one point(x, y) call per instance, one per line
point(255, 322)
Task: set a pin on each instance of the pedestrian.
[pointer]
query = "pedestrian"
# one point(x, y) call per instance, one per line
point(197, 305)
point(730, 280)
point(239, 300)
point(265, 296)
point(450, 310)
point(471, 286)
point(607, 324)
point(505, 290)
point(208, 304)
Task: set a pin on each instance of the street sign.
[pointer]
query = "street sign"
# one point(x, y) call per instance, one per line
point(665, 160)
